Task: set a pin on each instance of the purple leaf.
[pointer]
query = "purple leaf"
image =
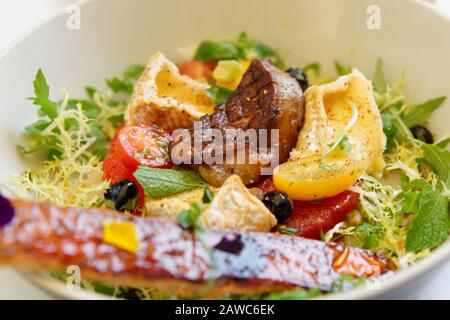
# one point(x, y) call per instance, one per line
point(230, 243)
point(6, 211)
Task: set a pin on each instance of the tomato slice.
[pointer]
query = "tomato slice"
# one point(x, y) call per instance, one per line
point(198, 70)
point(313, 218)
point(143, 145)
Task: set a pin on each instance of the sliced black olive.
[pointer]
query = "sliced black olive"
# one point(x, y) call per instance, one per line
point(300, 76)
point(422, 134)
point(122, 195)
point(279, 204)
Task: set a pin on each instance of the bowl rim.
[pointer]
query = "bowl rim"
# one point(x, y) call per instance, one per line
point(59, 289)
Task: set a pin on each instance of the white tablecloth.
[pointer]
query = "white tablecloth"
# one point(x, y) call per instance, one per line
point(17, 16)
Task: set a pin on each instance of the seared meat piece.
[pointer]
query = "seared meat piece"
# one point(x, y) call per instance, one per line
point(158, 253)
point(266, 98)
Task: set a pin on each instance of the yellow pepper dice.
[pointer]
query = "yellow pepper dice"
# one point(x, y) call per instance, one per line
point(228, 73)
point(305, 180)
point(121, 234)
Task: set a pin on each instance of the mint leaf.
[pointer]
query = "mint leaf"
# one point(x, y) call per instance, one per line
point(42, 91)
point(158, 183)
point(219, 95)
point(341, 70)
point(418, 114)
point(379, 82)
point(431, 222)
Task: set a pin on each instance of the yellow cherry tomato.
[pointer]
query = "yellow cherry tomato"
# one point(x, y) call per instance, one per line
point(310, 179)
point(228, 73)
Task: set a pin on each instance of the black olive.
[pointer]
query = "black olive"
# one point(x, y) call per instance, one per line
point(422, 134)
point(300, 76)
point(122, 195)
point(279, 204)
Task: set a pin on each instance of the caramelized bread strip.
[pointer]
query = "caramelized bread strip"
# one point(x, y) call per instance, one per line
point(42, 236)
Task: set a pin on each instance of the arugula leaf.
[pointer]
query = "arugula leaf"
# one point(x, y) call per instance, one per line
point(297, 294)
point(315, 66)
point(254, 49)
point(189, 218)
point(345, 145)
point(117, 85)
point(221, 50)
point(38, 126)
point(42, 92)
point(443, 143)
point(207, 195)
point(369, 235)
point(219, 95)
point(393, 125)
point(90, 91)
point(379, 82)
point(431, 222)
point(341, 70)
point(439, 159)
point(91, 110)
point(388, 126)
point(346, 282)
point(242, 48)
point(131, 74)
point(287, 230)
point(134, 71)
point(418, 114)
point(158, 183)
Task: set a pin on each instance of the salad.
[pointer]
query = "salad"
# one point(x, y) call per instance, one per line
point(229, 175)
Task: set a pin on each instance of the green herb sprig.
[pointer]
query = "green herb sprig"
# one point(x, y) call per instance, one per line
point(341, 141)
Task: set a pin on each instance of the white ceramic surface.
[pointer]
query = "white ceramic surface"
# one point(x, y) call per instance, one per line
point(115, 33)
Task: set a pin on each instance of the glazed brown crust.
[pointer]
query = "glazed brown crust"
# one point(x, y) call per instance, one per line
point(43, 236)
point(266, 98)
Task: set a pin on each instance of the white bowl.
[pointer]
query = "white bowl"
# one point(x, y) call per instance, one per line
point(116, 33)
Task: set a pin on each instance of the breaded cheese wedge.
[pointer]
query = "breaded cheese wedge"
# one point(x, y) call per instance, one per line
point(165, 97)
point(170, 207)
point(234, 207)
point(327, 112)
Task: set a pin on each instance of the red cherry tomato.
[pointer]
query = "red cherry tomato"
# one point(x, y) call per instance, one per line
point(143, 145)
point(266, 185)
point(132, 147)
point(198, 70)
point(115, 170)
point(312, 218)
